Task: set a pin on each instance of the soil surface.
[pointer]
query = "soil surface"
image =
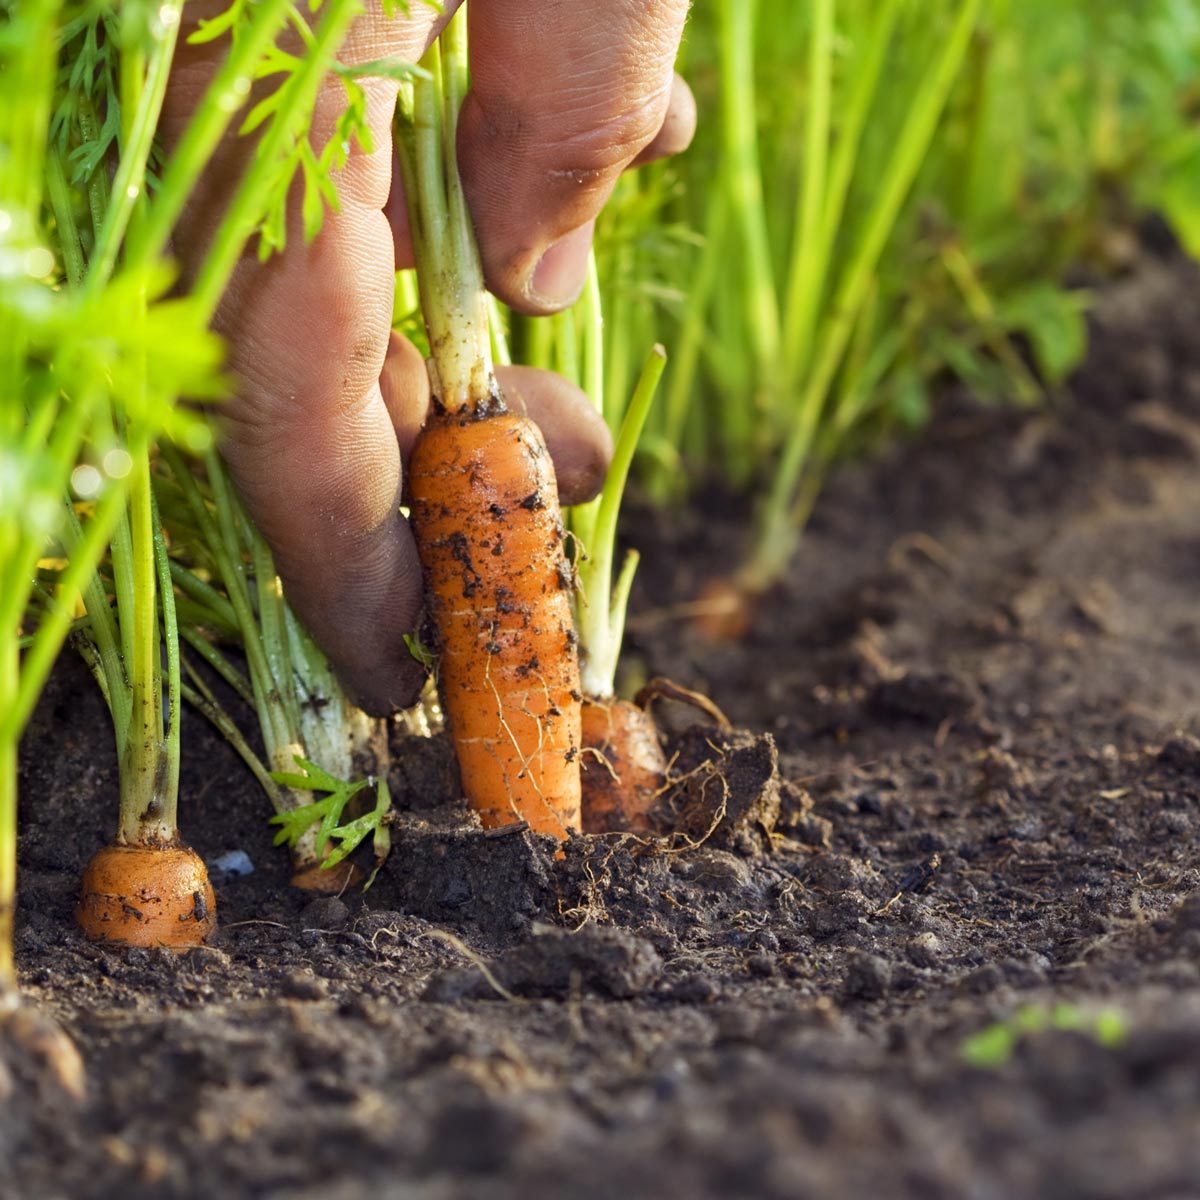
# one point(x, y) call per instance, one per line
point(937, 932)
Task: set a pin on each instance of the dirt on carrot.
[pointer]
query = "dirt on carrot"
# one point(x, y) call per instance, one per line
point(486, 517)
point(624, 769)
point(973, 712)
point(147, 896)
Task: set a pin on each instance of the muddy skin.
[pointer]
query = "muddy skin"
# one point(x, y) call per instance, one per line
point(507, 675)
point(147, 896)
point(622, 766)
point(966, 783)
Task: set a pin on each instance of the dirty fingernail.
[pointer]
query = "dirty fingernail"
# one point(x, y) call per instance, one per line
point(559, 276)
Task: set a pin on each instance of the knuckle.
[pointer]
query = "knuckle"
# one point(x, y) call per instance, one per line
point(603, 144)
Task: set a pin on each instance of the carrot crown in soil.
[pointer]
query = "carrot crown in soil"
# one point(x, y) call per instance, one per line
point(303, 713)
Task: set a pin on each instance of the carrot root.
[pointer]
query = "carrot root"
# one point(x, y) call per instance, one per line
point(623, 769)
point(147, 896)
point(40, 1044)
point(490, 536)
point(312, 877)
point(726, 610)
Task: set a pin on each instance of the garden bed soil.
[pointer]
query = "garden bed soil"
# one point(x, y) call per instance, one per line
point(970, 718)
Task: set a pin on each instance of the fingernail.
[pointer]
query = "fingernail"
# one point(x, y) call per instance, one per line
point(561, 272)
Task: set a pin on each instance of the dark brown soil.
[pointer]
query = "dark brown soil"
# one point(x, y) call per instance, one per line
point(982, 683)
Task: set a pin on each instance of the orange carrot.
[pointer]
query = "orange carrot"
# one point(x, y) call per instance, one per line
point(147, 896)
point(726, 609)
point(624, 769)
point(625, 772)
point(485, 506)
point(485, 514)
point(313, 877)
point(146, 888)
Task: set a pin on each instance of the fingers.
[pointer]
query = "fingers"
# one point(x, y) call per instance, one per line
point(576, 435)
point(678, 127)
point(311, 444)
point(405, 387)
point(564, 96)
point(372, 36)
point(309, 436)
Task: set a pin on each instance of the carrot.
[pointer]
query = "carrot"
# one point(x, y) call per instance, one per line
point(32, 1041)
point(725, 609)
point(625, 772)
point(624, 769)
point(485, 514)
point(147, 896)
point(146, 888)
point(314, 877)
point(485, 509)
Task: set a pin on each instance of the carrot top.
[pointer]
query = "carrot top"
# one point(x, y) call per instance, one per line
point(456, 309)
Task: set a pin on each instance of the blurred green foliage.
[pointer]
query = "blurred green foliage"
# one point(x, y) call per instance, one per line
point(1065, 125)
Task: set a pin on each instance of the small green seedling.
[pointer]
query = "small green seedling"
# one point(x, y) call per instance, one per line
point(422, 653)
point(995, 1044)
point(326, 815)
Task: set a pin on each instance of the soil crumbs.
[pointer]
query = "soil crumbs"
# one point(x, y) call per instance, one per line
point(964, 962)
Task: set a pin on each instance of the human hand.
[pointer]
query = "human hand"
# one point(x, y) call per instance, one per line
point(565, 95)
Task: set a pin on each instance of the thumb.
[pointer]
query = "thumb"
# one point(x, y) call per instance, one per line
point(564, 96)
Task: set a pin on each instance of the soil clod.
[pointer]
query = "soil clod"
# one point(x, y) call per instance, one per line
point(555, 963)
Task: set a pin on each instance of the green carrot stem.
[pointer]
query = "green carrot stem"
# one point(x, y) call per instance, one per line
point(681, 381)
point(272, 624)
point(103, 634)
point(777, 534)
point(618, 350)
point(169, 723)
point(591, 318)
point(219, 663)
point(121, 557)
point(456, 312)
point(128, 181)
point(590, 374)
point(501, 355)
point(27, 74)
point(250, 199)
point(76, 626)
point(807, 268)
point(810, 264)
point(59, 194)
point(50, 633)
point(22, 552)
point(204, 596)
point(979, 305)
point(97, 185)
point(743, 175)
point(226, 545)
point(221, 100)
point(147, 806)
point(859, 102)
point(26, 97)
point(599, 629)
point(618, 606)
point(9, 682)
